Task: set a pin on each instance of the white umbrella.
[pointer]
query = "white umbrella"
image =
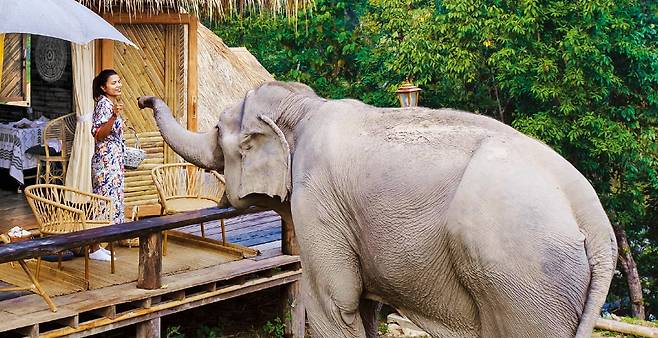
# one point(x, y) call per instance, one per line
point(64, 19)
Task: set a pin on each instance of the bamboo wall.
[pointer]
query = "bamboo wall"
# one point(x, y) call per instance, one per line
point(157, 68)
point(12, 75)
point(139, 187)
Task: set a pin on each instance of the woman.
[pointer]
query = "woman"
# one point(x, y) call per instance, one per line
point(107, 171)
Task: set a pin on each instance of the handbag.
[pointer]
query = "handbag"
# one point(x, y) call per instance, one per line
point(133, 156)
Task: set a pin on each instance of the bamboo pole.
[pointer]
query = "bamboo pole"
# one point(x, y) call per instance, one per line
point(192, 75)
point(625, 328)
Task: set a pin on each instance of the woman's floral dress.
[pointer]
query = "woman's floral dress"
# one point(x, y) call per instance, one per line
point(107, 171)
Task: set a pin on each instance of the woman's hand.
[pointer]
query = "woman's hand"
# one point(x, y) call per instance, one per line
point(117, 109)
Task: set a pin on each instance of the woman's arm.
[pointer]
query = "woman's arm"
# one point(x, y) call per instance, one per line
point(105, 129)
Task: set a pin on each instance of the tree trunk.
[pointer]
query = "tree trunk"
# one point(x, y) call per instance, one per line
point(629, 268)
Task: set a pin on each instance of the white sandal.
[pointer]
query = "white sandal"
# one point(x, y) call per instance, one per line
point(100, 255)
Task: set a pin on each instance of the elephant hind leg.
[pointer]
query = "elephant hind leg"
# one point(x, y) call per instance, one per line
point(528, 307)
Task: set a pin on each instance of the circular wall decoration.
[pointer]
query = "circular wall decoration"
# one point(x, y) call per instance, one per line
point(50, 58)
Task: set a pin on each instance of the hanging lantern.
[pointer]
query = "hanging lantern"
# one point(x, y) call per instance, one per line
point(408, 94)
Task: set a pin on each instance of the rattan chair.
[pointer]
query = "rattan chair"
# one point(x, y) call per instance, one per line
point(51, 167)
point(59, 210)
point(34, 287)
point(186, 187)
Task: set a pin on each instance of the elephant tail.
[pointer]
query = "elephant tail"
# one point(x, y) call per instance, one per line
point(601, 248)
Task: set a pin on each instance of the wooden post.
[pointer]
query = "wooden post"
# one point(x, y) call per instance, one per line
point(294, 312)
point(173, 69)
point(149, 329)
point(289, 244)
point(150, 261)
point(98, 56)
point(192, 73)
point(107, 54)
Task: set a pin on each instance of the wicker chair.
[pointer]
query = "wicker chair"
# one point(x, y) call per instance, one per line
point(59, 210)
point(186, 187)
point(51, 168)
point(34, 287)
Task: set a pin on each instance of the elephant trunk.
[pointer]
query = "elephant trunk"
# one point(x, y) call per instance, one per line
point(200, 149)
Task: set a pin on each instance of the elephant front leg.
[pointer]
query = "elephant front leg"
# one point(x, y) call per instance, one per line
point(332, 282)
point(332, 304)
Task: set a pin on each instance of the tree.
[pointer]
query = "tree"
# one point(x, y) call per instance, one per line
point(319, 50)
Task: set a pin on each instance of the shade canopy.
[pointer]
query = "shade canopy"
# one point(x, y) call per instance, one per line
point(64, 19)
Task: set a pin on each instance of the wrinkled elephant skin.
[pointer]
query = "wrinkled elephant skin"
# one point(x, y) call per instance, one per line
point(466, 226)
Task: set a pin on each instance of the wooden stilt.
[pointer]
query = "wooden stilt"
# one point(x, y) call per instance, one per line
point(30, 331)
point(150, 261)
point(294, 312)
point(59, 261)
point(149, 329)
point(203, 230)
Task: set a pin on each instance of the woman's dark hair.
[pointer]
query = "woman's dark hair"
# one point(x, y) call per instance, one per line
point(100, 81)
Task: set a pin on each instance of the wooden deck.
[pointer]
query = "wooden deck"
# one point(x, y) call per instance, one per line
point(192, 275)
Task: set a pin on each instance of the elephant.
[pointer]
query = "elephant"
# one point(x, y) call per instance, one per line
point(464, 225)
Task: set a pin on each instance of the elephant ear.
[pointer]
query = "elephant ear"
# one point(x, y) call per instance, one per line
point(265, 167)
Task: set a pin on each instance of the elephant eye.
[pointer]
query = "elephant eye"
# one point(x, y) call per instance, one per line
point(245, 142)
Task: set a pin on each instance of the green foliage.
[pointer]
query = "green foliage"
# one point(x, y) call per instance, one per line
point(580, 75)
point(396, 43)
point(274, 328)
point(319, 51)
point(200, 331)
point(205, 331)
point(174, 332)
point(382, 328)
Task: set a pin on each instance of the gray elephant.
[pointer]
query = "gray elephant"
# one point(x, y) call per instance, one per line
point(463, 224)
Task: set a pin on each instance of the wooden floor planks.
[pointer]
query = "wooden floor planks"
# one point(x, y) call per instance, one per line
point(30, 309)
point(183, 267)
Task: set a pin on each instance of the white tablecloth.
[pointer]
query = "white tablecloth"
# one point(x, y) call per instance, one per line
point(13, 144)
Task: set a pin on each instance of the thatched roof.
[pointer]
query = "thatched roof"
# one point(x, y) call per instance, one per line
point(225, 76)
point(214, 9)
